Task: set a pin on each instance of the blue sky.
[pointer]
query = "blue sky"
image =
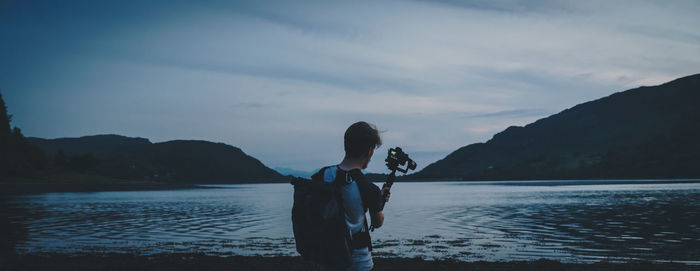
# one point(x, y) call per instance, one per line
point(283, 79)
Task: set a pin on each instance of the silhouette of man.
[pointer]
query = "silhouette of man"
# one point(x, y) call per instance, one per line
point(358, 194)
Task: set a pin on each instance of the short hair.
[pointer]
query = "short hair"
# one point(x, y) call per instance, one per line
point(360, 137)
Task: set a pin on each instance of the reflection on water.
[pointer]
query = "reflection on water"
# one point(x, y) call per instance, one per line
point(564, 220)
point(11, 231)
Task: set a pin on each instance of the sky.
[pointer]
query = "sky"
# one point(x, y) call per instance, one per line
point(282, 80)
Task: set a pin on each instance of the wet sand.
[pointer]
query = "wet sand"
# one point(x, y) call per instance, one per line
point(203, 262)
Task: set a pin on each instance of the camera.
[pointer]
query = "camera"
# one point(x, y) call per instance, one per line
point(396, 157)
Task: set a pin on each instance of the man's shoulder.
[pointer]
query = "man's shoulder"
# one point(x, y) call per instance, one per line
point(357, 175)
point(319, 175)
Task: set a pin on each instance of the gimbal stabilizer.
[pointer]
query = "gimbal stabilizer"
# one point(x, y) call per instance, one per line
point(395, 158)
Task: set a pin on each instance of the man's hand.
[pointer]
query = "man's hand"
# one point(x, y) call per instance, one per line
point(386, 193)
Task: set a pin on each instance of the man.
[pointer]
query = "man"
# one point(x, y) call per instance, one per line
point(358, 194)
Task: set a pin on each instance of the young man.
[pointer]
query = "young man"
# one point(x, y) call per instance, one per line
point(358, 194)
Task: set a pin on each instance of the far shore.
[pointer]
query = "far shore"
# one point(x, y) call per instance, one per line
point(203, 262)
point(39, 187)
point(87, 183)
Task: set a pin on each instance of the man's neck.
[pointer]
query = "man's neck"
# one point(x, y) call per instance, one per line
point(351, 163)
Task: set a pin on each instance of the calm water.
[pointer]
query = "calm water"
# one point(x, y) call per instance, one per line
point(570, 221)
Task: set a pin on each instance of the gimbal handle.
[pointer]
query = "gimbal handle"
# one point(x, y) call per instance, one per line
point(389, 182)
point(391, 178)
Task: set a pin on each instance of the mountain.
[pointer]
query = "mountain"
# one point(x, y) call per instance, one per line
point(183, 161)
point(647, 132)
point(99, 144)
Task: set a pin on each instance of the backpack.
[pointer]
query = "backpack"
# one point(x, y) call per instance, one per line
point(318, 222)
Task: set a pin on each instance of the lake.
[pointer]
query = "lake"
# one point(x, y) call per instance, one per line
point(570, 221)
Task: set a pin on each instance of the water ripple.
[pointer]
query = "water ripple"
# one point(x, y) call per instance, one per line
point(616, 222)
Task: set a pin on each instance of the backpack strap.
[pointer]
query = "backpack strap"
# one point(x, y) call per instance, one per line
point(318, 176)
point(362, 238)
point(369, 238)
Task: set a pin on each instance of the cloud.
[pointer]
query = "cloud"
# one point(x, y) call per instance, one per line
point(509, 6)
point(282, 80)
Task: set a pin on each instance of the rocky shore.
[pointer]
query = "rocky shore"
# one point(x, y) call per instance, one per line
point(204, 262)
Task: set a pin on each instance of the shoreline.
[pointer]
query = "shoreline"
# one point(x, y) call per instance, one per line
point(40, 187)
point(58, 261)
point(28, 187)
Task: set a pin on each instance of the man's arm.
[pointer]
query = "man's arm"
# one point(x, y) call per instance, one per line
point(377, 219)
point(373, 199)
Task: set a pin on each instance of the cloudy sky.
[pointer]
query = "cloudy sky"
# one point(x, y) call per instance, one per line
point(282, 80)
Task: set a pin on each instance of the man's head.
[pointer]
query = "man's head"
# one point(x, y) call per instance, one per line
point(361, 138)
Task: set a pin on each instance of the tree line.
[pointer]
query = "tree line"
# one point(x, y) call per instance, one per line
point(21, 160)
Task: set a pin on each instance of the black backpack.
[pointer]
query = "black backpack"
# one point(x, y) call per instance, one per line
point(318, 221)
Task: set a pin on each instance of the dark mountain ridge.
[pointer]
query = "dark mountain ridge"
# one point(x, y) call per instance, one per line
point(87, 144)
point(183, 161)
point(647, 132)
